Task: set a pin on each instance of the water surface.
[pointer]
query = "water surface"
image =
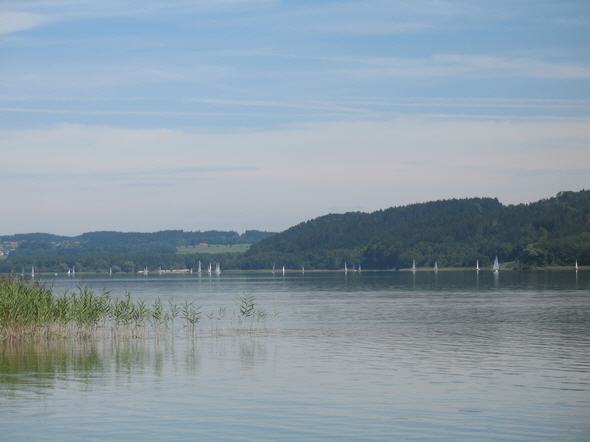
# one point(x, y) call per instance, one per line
point(371, 356)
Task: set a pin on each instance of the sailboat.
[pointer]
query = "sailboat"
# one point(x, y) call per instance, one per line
point(217, 269)
point(283, 270)
point(360, 269)
point(110, 271)
point(145, 271)
point(303, 270)
point(345, 268)
point(69, 272)
point(413, 266)
point(191, 271)
point(160, 270)
point(577, 268)
point(435, 266)
point(32, 272)
point(496, 266)
point(209, 269)
point(199, 268)
point(74, 271)
point(477, 265)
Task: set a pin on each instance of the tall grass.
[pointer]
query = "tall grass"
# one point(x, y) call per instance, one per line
point(30, 308)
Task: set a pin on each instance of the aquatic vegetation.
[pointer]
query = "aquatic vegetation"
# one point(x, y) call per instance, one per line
point(191, 314)
point(248, 311)
point(30, 308)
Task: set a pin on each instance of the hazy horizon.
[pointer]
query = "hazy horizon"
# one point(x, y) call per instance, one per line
point(259, 114)
point(267, 230)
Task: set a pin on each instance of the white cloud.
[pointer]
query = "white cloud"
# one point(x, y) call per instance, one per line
point(11, 21)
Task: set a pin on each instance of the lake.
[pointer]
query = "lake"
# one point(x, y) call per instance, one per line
point(369, 356)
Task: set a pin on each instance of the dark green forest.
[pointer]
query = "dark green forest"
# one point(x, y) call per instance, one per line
point(455, 232)
point(124, 251)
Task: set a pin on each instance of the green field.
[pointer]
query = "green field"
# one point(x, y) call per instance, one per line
point(213, 249)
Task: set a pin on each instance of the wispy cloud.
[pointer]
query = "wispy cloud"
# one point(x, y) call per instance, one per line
point(447, 65)
point(13, 21)
point(22, 15)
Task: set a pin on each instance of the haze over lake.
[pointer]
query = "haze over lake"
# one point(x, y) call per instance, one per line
point(369, 356)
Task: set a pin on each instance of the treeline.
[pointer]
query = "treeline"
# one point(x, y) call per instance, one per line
point(131, 243)
point(457, 232)
point(119, 262)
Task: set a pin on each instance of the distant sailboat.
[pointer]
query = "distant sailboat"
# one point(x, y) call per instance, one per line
point(435, 266)
point(191, 271)
point(209, 269)
point(283, 270)
point(496, 266)
point(413, 266)
point(74, 271)
point(32, 271)
point(199, 268)
point(360, 269)
point(345, 268)
point(577, 267)
point(160, 270)
point(145, 271)
point(303, 270)
point(477, 265)
point(110, 271)
point(217, 269)
point(69, 272)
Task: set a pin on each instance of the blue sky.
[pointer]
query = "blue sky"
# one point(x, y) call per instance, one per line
point(144, 115)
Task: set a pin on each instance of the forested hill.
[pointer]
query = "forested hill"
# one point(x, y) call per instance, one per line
point(163, 242)
point(454, 232)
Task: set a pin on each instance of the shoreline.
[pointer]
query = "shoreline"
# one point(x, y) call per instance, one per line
point(298, 271)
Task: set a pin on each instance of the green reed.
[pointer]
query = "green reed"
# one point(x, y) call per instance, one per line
point(30, 308)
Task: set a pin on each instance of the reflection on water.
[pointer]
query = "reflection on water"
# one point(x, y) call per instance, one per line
point(371, 356)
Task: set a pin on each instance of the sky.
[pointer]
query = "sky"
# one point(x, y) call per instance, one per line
point(140, 115)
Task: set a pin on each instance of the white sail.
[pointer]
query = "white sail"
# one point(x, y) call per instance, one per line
point(283, 270)
point(360, 269)
point(69, 272)
point(303, 269)
point(22, 272)
point(199, 268)
point(209, 269)
point(145, 271)
point(577, 268)
point(74, 271)
point(414, 265)
point(273, 269)
point(435, 266)
point(496, 265)
point(217, 269)
point(32, 271)
point(345, 268)
point(477, 265)
point(160, 271)
point(110, 271)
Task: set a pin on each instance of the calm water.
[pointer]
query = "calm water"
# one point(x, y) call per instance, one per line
point(371, 356)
